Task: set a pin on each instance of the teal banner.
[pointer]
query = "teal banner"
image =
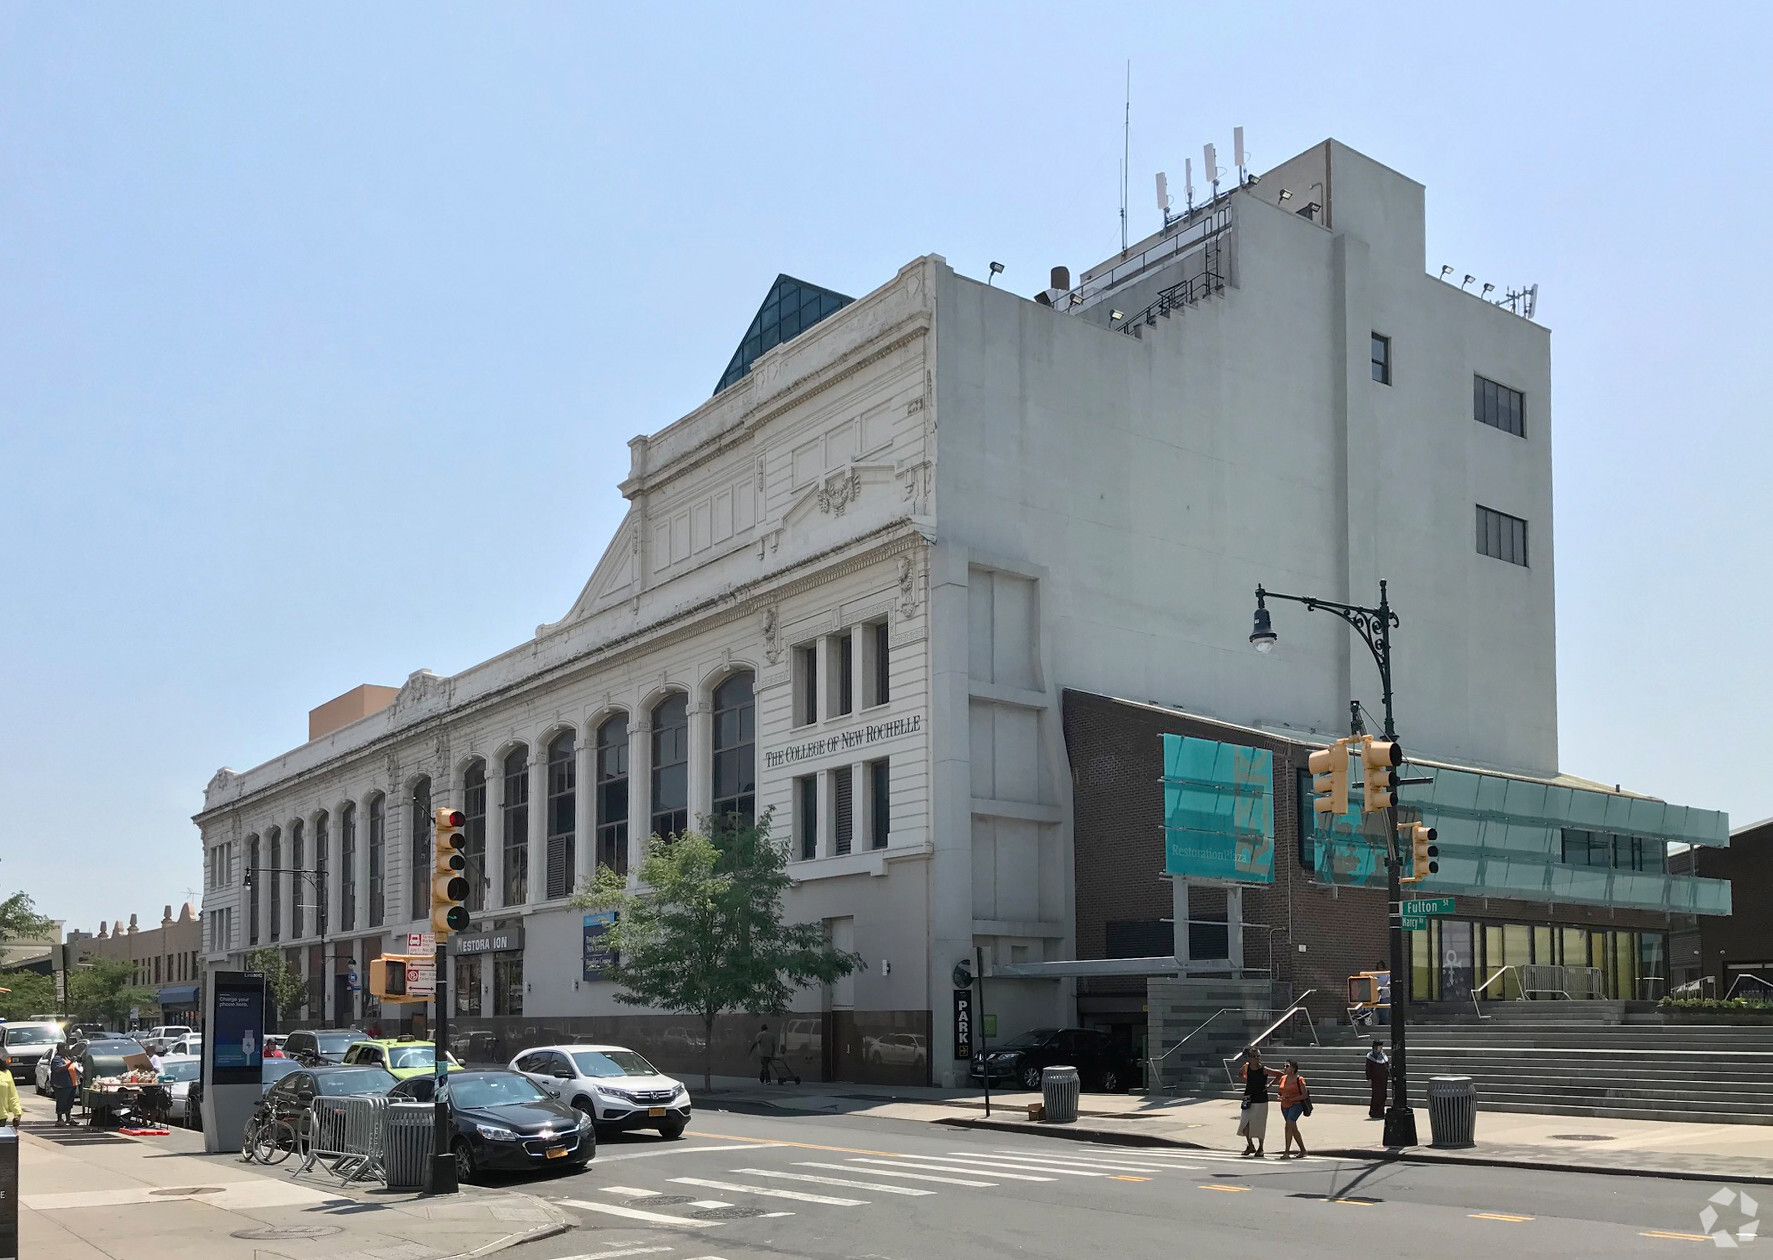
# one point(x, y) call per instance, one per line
point(1218, 810)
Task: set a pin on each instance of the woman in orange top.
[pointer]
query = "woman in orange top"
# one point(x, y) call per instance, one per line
point(1293, 1101)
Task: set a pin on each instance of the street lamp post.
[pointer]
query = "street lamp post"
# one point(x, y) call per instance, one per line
point(1374, 627)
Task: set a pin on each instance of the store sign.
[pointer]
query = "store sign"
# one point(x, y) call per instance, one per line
point(857, 737)
point(963, 1023)
point(599, 957)
point(499, 942)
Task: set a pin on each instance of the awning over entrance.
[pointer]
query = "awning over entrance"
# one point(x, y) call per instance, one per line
point(178, 995)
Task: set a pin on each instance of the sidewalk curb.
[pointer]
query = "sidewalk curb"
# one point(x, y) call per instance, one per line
point(560, 1224)
point(1116, 1137)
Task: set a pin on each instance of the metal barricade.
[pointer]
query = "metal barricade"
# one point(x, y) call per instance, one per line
point(409, 1129)
point(349, 1131)
point(1059, 1088)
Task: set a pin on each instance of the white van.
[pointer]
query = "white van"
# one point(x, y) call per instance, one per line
point(24, 1042)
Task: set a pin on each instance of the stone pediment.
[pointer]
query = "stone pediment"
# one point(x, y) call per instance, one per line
point(838, 492)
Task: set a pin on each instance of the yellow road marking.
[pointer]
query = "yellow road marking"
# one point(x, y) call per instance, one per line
point(1112, 1177)
point(1664, 1233)
point(1232, 1188)
point(1496, 1216)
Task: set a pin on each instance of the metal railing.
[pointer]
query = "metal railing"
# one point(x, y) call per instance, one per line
point(1765, 992)
point(348, 1130)
point(1154, 1066)
point(1177, 297)
point(1547, 980)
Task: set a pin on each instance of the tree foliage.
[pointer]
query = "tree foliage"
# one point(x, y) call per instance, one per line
point(32, 994)
point(19, 920)
point(702, 933)
point(284, 986)
point(103, 990)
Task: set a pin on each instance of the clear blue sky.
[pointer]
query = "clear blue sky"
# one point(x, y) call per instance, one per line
point(307, 318)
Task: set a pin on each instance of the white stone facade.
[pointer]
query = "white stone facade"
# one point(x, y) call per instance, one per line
point(1026, 499)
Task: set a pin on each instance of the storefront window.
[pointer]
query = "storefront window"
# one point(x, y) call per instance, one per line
point(508, 984)
point(467, 982)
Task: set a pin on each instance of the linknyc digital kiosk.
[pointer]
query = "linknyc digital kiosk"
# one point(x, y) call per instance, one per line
point(233, 1056)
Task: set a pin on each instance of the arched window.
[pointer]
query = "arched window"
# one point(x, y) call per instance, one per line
point(562, 806)
point(515, 827)
point(474, 833)
point(322, 865)
point(298, 884)
point(671, 766)
point(735, 752)
point(274, 884)
point(612, 794)
point(378, 859)
point(252, 893)
point(418, 905)
point(348, 867)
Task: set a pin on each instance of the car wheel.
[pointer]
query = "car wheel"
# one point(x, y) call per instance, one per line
point(1110, 1081)
point(672, 1131)
point(465, 1169)
point(1030, 1078)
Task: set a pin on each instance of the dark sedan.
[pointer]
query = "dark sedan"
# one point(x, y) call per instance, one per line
point(1100, 1065)
point(291, 1098)
point(504, 1121)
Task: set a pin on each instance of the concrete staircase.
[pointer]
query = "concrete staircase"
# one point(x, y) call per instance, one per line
point(1570, 1058)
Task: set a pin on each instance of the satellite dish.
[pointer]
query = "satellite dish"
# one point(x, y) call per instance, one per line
point(1163, 195)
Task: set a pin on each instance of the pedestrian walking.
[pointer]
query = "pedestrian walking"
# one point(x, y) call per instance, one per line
point(1252, 1123)
point(1295, 1101)
point(11, 1109)
point(767, 1049)
point(64, 1081)
point(1378, 1078)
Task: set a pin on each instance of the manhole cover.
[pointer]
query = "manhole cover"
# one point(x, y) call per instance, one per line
point(724, 1214)
point(174, 1191)
point(285, 1233)
point(1581, 1137)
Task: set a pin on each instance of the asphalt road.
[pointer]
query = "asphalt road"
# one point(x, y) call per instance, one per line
point(854, 1188)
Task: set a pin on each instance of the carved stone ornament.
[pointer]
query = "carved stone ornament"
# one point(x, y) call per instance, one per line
point(772, 643)
point(907, 586)
point(222, 782)
point(420, 689)
point(839, 490)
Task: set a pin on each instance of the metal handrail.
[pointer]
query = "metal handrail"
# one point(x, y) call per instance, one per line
point(1177, 297)
point(1739, 979)
point(1296, 1008)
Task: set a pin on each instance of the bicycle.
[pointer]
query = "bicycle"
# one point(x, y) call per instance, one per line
point(267, 1139)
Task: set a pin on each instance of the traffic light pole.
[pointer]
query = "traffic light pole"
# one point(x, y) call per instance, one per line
point(1374, 626)
point(443, 1160)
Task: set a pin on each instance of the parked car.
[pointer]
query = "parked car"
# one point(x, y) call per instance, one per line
point(613, 1085)
point(190, 1043)
point(22, 1044)
point(315, 1046)
point(271, 1071)
point(1100, 1065)
point(290, 1098)
point(899, 1049)
point(160, 1038)
point(504, 1120)
point(402, 1056)
point(178, 1072)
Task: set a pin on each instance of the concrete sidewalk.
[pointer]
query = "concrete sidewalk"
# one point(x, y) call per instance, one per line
point(1725, 1152)
point(161, 1198)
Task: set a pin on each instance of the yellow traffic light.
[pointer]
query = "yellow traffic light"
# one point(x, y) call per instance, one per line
point(1423, 851)
point(1329, 784)
point(1378, 758)
point(449, 886)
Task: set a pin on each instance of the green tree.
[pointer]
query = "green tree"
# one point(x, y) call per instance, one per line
point(32, 994)
point(703, 935)
point(19, 920)
point(284, 986)
point(103, 990)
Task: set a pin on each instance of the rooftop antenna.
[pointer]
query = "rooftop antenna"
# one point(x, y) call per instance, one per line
point(1237, 151)
point(1163, 197)
point(1532, 299)
point(1126, 153)
point(1188, 182)
point(1212, 160)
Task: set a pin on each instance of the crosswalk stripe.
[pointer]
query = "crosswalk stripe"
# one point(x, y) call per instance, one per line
point(769, 1191)
point(832, 1181)
point(1116, 1165)
point(908, 1176)
point(922, 1165)
point(995, 1162)
point(629, 1192)
point(635, 1214)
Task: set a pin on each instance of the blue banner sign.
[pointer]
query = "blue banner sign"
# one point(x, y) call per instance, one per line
point(1218, 810)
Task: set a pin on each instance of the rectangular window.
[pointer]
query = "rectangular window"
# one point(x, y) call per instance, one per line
point(806, 816)
point(1499, 406)
point(515, 824)
point(508, 984)
point(474, 837)
point(1307, 820)
point(467, 990)
point(846, 673)
point(1382, 359)
point(881, 691)
point(806, 684)
point(418, 876)
point(1501, 535)
point(843, 807)
point(880, 808)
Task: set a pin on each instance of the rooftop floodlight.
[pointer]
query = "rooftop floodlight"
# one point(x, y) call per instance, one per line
point(1468, 279)
point(1115, 316)
point(1445, 269)
point(996, 271)
point(1285, 195)
point(1077, 299)
point(1487, 289)
point(1262, 632)
point(1253, 180)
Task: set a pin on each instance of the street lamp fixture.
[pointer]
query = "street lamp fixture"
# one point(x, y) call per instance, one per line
point(1263, 635)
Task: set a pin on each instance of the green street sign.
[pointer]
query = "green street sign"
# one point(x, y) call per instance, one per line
point(1415, 922)
point(1429, 905)
point(990, 1022)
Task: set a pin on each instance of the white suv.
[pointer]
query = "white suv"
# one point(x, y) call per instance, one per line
point(159, 1039)
point(612, 1084)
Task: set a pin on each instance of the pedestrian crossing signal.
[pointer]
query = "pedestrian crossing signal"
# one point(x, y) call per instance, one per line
point(449, 884)
point(1423, 852)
